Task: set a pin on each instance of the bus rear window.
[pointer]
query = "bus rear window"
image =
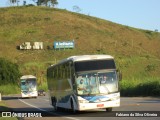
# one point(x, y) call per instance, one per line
point(94, 65)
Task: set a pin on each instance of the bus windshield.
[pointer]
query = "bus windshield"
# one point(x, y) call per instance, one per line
point(28, 85)
point(94, 65)
point(97, 83)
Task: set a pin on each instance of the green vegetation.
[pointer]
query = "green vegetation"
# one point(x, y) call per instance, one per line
point(9, 77)
point(2, 105)
point(9, 72)
point(141, 87)
point(8, 118)
point(136, 51)
point(9, 89)
point(38, 2)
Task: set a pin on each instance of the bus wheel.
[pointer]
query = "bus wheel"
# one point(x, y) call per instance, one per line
point(54, 102)
point(72, 107)
point(109, 109)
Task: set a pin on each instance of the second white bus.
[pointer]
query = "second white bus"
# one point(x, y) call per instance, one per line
point(28, 86)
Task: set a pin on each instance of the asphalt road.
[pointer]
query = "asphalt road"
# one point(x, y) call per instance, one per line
point(144, 107)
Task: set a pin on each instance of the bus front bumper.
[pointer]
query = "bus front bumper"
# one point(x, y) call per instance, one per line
point(29, 94)
point(90, 106)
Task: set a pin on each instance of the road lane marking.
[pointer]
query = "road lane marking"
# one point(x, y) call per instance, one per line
point(45, 110)
point(32, 105)
point(130, 105)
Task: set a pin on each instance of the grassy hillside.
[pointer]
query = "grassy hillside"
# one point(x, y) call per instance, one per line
point(137, 51)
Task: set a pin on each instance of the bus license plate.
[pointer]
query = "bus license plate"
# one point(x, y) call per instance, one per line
point(100, 105)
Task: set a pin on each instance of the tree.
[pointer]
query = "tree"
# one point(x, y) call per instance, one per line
point(9, 72)
point(76, 9)
point(13, 1)
point(54, 2)
point(24, 3)
point(46, 2)
point(38, 2)
point(156, 30)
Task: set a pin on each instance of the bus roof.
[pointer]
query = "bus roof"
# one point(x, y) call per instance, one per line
point(27, 76)
point(83, 58)
point(88, 57)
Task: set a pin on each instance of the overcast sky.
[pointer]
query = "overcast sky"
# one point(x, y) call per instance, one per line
point(135, 13)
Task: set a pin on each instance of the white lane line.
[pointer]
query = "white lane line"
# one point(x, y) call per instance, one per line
point(32, 105)
point(46, 110)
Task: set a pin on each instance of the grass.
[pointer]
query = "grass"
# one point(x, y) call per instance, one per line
point(15, 89)
point(9, 89)
point(8, 118)
point(2, 105)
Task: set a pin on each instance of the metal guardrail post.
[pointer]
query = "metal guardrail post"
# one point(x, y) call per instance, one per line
point(0, 97)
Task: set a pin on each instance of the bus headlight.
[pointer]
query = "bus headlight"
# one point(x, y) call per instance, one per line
point(83, 101)
point(115, 98)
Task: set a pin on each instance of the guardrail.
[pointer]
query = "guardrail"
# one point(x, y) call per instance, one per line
point(0, 97)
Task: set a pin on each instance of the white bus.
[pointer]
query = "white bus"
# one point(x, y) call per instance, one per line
point(84, 83)
point(28, 86)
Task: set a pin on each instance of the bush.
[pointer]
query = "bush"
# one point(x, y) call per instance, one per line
point(9, 72)
point(146, 87)
point(9, 89)
point(150, 67)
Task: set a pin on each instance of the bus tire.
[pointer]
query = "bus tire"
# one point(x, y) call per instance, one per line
point(72, 107)
point(54, 102)
point(108, 109)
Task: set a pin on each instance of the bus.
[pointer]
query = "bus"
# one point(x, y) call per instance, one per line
point(28, 86)
point(85, 82)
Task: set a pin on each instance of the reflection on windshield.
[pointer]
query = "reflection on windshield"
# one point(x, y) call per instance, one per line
point(97, 83)
point(28, 85)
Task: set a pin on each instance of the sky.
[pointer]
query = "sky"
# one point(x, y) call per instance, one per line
point(141, 14)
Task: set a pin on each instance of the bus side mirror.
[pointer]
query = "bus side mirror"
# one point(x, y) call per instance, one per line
point(119, 74)
point(75, 75)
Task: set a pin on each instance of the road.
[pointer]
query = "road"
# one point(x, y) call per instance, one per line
point(41, 104)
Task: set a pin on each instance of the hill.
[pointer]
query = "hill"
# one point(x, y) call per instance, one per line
point(137, 51)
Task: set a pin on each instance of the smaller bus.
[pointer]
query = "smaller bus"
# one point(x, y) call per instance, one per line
point(28, 86)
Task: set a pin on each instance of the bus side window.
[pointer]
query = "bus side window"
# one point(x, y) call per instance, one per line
point(72, 73)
